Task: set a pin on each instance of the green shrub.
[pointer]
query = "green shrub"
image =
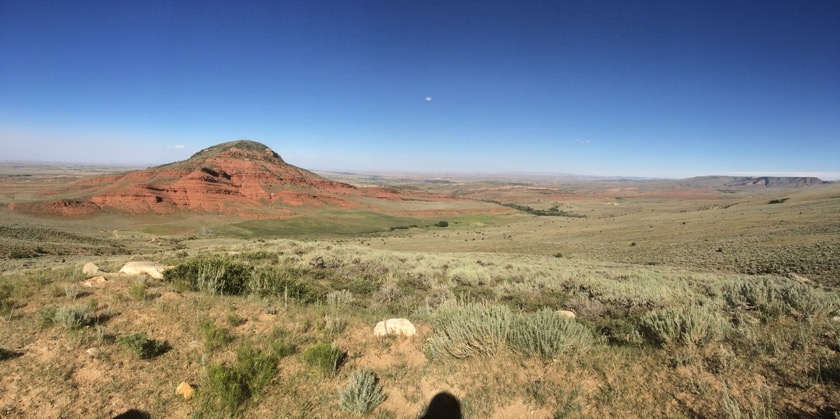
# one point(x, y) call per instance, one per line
point(689, 326)
point(268, 282)
point(362, 393)
point(463, 330)
point(141, 346)
point(762, 296)
point(213, 275)
point(546, 334)
point(442, 224)
point(325, 357)
point(805, 301)
point(772, 299)
point(68, 317)
point(214, 337)
point(228, 387)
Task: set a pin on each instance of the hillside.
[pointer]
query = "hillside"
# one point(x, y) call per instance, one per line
point(244, 178)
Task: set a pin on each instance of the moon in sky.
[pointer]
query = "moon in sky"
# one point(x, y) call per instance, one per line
point(428, 98)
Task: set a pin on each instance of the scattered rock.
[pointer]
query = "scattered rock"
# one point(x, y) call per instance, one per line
point(566, 313)
point(90, 269)
point(93, 282)
point(399, 327)
point(153, 269)
point(185, 390)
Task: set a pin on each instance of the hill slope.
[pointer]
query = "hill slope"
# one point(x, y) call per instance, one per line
point(241, 177)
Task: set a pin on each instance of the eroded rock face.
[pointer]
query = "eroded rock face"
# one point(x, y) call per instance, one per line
point(153, 269)
point(398, 327)
point(218, 179)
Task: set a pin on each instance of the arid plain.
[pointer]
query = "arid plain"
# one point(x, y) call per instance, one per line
point(703, 297)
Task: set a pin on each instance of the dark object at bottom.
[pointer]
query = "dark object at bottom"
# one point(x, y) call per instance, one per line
point(443, 406)
point(133, 414)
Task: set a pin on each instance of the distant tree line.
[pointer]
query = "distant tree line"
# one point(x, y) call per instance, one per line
point(554, 211)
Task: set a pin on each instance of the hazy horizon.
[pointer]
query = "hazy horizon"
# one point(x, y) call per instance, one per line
point(661, 89)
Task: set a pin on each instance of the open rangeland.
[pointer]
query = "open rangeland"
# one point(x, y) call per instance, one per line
point(556, 299)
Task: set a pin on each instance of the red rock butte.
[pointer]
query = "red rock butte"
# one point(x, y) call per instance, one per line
point(241, 177)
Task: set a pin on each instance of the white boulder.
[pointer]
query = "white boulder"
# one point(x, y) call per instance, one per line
point(153, 269)
point(399, 327)
point(90, 269)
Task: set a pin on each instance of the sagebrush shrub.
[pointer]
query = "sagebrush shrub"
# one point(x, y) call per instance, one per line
point(68, 317)
point(362, 393)
point(773, 299)
point(546, 334)
point(463, 330)
point(689, 326)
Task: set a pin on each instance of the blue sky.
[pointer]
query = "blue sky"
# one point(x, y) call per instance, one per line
point(647, 88)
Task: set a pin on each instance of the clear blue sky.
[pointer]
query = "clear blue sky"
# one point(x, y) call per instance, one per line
point(637, 88)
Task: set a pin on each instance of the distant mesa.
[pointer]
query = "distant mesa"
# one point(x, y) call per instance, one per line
point(745, 182)
point(239, 177)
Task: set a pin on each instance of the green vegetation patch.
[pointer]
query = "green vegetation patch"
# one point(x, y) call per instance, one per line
point(213, 275)
point(227, 387)
point(325, 358)
point(141, 346)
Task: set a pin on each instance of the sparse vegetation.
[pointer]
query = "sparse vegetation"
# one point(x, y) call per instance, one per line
point(712, 313)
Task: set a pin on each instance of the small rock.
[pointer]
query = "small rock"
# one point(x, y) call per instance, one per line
point(566, 313)
point(399, 327)
point(93, 282)
point(90, 269)
point(185, 390)
point(153, 269)
point(93, 352)
point(836, 319)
